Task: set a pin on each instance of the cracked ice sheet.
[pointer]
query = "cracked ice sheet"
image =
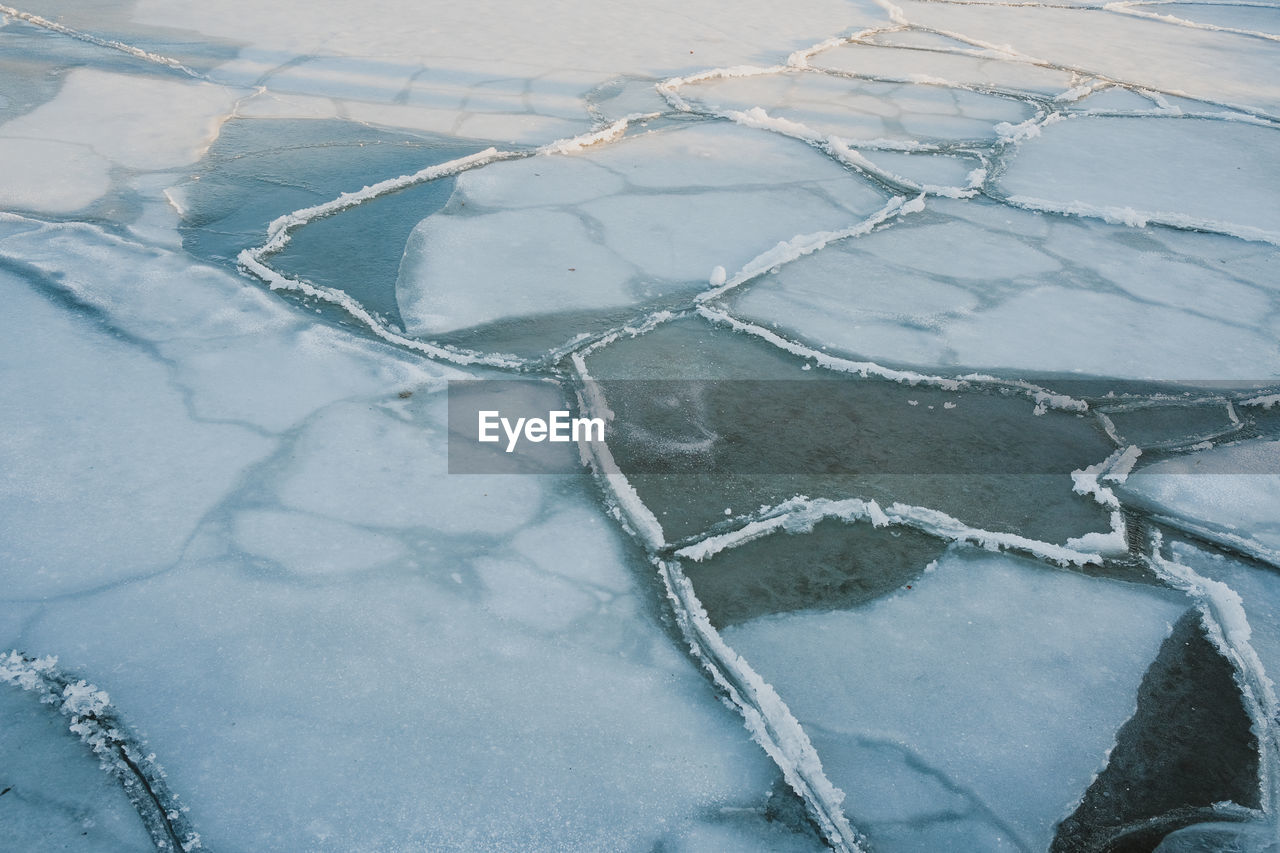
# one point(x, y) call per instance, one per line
point(1259, 591)
point(1003, 288)
point(520, 43)
point(1215, 66)
point(828, 105)
point(180, 356)
point(618, 225)
point(409, 95)
point(1260, 18)
point(934, 65)
point(463, 649)
point(99, 481)
point(233, 351)
point(1165, 169)
point(60, 156)
point(488, 70)
point(493, 659)
point(970, 711)
point(56, 797)
point(1227, 495)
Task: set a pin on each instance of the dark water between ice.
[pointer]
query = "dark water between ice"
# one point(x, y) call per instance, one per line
point(260, 169)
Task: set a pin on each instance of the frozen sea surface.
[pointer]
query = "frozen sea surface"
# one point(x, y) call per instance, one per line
point(937, 344)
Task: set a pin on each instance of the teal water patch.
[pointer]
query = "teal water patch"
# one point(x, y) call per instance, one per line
point(261, 169)
point(34, 61)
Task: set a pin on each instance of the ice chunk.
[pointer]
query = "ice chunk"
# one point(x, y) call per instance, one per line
point(1021, 290)
point(1000, 679)
point(1155, 169)
point(99, 120)
point(620, 224)
point(482, 72)
point(258, 381)
point(323, 706)
point(405, 690)
point(1227, 495)
point(505, 252)
point(491, 43)
point(1259, 591)
point(485, 634)
point(51, 176)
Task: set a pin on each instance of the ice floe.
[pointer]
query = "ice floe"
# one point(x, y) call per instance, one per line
point(1226, 495)
point(912, 679)
point(59, 157)
point(1005, 289)
point(1168, 170)
point(621, 225)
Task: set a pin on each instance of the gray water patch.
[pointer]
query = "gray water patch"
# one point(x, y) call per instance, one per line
point(1172, 424)
point(833, 567)
point(260, 169)
point(909, 421)
point(1188, 746)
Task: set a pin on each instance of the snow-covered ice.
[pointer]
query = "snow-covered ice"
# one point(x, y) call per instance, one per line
point(244, 248)
point(1226, 495)
point(350, 608)
point(1158, 55)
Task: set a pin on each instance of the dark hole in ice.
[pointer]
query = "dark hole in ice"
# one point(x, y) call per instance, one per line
point(834, 567)
point(1189, 745)
point(260, 169)
point(1172, 424)
point(911, 453)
